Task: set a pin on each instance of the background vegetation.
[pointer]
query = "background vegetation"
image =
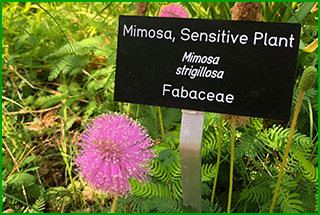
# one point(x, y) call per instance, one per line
point(58, 69)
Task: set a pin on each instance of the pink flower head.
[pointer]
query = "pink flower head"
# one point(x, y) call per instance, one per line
point(114, 149)
point(174, 10)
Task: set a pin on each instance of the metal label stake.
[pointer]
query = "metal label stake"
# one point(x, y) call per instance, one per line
point(190, 157)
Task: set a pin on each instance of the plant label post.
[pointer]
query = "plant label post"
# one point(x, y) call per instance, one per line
point(190, 157)
point(232, 67)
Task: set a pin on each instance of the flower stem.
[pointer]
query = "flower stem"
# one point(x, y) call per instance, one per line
point(155, 122)
point(199, 8)
point(138, 110)
point(128, 110)
point(114, 205)
point(218, 159)
point(161, 122)
point(233, 132)
point(293, 125)
point(64, 148)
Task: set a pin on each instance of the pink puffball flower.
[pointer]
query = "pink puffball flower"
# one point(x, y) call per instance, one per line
point(174, 10)
point(114, 149)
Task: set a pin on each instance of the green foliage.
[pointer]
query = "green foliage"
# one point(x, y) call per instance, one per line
point(39, 205)
point(71, 58)
point(207, 172)
point(308, 169)
point(150, 189)
point(307, 124)
point(157, 205)
point(210, 207)
point(57, 197)
point(260, 193)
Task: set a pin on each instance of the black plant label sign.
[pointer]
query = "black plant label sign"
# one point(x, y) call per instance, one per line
point(233, 67)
